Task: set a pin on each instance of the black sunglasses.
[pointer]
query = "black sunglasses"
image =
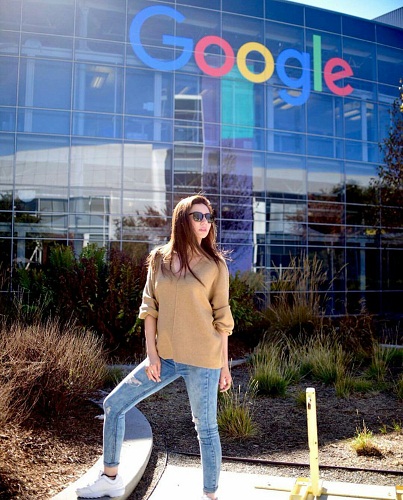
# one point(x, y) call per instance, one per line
point(198, 217)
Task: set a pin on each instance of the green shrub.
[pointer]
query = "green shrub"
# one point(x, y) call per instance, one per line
point(45, 369)
point(363, 443)
point(235, 413)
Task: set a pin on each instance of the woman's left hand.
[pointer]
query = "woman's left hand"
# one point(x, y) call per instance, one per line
point(225, 379)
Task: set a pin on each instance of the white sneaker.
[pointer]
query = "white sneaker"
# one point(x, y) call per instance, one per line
point(103, 486)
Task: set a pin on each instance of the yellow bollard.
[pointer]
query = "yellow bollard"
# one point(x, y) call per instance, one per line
point(316, 484)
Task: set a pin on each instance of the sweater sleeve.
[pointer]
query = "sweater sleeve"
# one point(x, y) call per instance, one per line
point(149, 303)
point(223, 321)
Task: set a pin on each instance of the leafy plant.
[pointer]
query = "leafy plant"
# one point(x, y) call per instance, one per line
point(363, 443)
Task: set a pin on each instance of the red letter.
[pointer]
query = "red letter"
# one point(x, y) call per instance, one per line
point(227, 49)
point(331, 77)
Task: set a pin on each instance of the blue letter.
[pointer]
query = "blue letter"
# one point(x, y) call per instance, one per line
point(302, 83)
point(185, 43)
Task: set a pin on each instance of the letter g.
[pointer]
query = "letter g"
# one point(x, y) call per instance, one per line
point(152, 62)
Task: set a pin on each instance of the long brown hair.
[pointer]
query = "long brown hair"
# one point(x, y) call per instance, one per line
point(183, 241)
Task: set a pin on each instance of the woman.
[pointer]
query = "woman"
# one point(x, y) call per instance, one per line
point(187, 321)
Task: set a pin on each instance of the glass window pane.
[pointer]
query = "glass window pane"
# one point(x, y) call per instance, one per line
point(148, 93)
point(8, 81)
point(322, 146)
point(324, 115)
point(7, 119)
point(47, 46)
point(237, 172)
point(390, 62)
point(96, 163)
point(43, 121)
point(41, 161)
point(148, 129)
point(47, 16)
point(325, 179)
point(286, 116)
point(147, 166)
point(6, 158)
point(104, 21)
point(45, 84)
point(238, 30)
point(361, 56)
point(9, 42)
point(358, 28)
point(323, 20)
point(284, 12)
point(97, 125)
point(10, 14)
point(241, 7)
point(285, 175)
point(98, 88)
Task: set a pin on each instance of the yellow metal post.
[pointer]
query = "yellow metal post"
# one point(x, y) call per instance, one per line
point(316, 486)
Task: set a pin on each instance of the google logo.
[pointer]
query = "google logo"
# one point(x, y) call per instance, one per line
point(335, 69)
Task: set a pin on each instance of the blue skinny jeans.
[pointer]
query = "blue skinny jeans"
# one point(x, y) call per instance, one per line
point(202, 387)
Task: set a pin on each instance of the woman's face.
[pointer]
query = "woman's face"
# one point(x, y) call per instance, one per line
point(201, 227)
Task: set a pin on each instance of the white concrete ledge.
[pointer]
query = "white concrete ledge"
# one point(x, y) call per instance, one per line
point(135, 455)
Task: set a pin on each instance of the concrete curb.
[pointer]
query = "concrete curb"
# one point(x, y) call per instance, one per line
point(135, 455)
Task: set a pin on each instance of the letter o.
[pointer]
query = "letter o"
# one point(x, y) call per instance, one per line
point(227, 49)
point(243, 68)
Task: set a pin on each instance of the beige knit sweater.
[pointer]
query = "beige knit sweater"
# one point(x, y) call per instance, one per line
point(190, 316)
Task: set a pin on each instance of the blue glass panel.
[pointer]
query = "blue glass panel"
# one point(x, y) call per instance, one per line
point(360, 120)
point(279, 37)
point(198, 23)
point(237, 30)
point(45, 84)
point(205, 4)
point(359, 174)
point(323, 20)
point(362, 151)
point(288, 117)
point(49, 17)
point(9, 42)
point(96, 51)
point(147, 129)
point(8, 81)
point(361, 56)
point(98, 88)
point(237, 172)
point(250, 8)
point(97, 125)
point(330, 45)
point(325, 179)
point(320, 146)
point(101, 21)
point(358, 28)
point(390, 63)
point(286, 142)
point(41, 161)
point(149, 93)
point(95, 163)
point(324, 114)
point(10, 14)
point(285, 175)
point(43, 121)
point(46, 46)
point(147, 167)
point(388, 35)
point(285, 12)
point(7, 149)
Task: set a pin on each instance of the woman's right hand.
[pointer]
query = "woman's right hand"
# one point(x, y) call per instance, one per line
point(153, 367)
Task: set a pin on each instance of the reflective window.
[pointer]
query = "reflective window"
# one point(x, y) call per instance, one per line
point(98, 88)
point(42, 160)
point(46, 46)
point(237, 172)
point(286, 142)
point(361, 56)
point(97, 125)
point(241, 7)
point(358, 28)
point(322, 146)
point(9, 41)
point(6, 158)
point(390, 62)
point(89, 50)
point(8, 81)
point(284, 12)
point(323, 20)
point(188, 167)
point(197, 24)
point(324, 115)
point(286, 116)
point(7, 119)
point(96, 163)
point(47, 16)
point(102, 20)
point(325, 179)
point(360, 120)
point(10, 18)
point(149, 93)
point(43, 121)
point(237, 31)
point(279, 37)
point(388, 35)
point(147, 129)
point(285, 174)
point(45, 84)
point(147, 166)
point(206, 4)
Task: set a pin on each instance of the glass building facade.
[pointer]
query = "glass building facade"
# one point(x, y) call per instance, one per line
point(113, 110)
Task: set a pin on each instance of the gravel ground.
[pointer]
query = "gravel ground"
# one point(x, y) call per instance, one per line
point(282, 436)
